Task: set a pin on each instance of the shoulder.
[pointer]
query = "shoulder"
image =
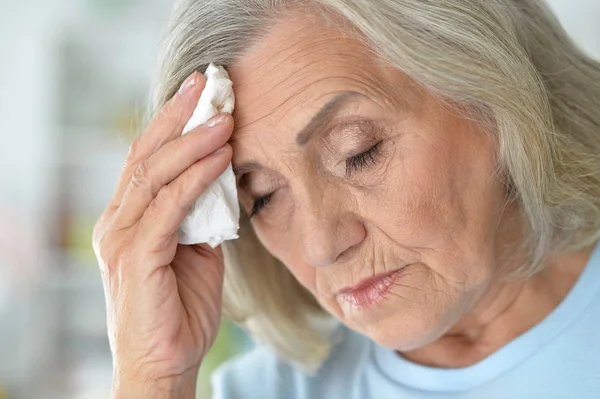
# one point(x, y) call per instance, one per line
point(260, 373)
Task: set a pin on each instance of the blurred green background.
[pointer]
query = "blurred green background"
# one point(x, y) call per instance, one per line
point(75, 82)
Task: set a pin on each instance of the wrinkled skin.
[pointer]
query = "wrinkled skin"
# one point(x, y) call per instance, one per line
point(394, 179)
point(430, 198)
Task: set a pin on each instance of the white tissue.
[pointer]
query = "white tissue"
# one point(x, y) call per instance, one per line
point(215, 216)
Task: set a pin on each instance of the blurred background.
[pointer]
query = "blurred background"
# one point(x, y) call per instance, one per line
point(74, 80)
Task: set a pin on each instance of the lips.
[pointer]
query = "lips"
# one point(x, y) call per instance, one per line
point(370, 291)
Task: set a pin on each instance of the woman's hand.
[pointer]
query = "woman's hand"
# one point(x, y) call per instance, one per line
point(163, 299)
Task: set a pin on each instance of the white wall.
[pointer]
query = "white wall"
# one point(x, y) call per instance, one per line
point(581, 18)
point(28, 100)
point(26, 106)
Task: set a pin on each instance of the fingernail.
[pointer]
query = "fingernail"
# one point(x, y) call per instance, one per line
point(188, 83)
point(217, 120)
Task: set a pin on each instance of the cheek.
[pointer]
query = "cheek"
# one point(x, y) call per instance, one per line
point(441, 198)
point(279, 243)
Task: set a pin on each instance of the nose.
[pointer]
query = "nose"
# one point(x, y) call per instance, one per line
point(328, 231)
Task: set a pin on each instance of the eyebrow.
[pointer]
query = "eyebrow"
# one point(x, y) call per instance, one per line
point(324, 116)
point(316, 124)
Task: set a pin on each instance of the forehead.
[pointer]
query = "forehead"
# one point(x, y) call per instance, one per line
point(296, 68)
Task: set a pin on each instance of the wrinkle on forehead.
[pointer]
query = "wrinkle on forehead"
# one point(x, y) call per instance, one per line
point(297, 65)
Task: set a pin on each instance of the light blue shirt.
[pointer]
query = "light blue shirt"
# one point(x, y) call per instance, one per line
point(558, 358)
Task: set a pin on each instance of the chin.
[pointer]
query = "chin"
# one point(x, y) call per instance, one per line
point(397, 327)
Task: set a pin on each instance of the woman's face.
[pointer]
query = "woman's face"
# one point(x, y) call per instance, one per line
point(352, 172)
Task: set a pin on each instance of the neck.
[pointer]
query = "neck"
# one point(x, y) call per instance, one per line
point(505, 312)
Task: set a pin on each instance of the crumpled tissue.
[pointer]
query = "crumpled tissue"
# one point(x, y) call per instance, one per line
point(215, 216)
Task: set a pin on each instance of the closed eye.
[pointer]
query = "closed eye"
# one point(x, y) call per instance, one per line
point(259, 204)
point(355, 163)
point(363, 160)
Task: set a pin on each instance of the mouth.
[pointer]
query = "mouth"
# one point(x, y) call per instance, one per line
point(370, 291)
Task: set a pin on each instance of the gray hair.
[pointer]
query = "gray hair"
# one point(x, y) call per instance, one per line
point(508, 62)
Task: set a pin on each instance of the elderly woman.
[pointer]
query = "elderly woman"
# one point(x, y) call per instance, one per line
point(421, 183)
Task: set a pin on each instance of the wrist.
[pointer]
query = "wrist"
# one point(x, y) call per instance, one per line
point(173, 387)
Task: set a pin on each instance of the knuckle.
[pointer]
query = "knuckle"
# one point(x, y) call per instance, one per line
point(134, 151)
point(112, 250)
point(109, 244)
point(103, 250)
point(141, 175)
point(98, 232)
point(167, 198)
point(163, 199)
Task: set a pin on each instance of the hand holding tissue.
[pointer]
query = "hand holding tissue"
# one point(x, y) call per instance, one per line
point(215, 216)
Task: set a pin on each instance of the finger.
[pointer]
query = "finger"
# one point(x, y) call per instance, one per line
point(167, 210)
point(166, 126)
point(168, 163)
